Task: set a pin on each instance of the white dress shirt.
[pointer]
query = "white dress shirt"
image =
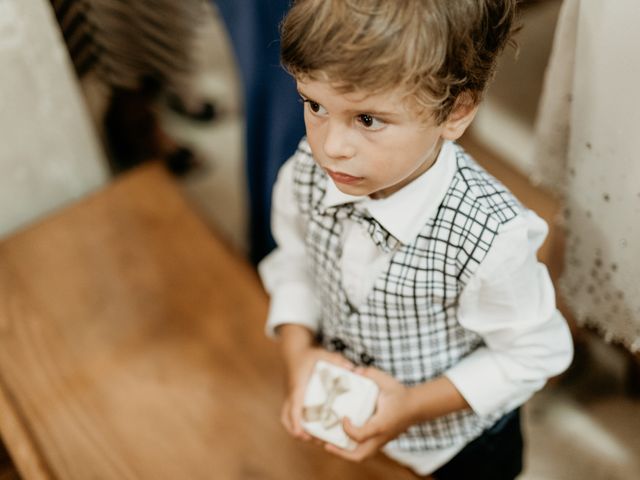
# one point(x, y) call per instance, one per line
point(509, 302)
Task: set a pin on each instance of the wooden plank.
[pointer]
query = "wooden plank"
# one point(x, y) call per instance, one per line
point(132, 347)
point(15, 433)
point(7, 468)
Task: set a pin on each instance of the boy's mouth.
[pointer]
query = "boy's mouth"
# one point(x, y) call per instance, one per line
point(340, 177)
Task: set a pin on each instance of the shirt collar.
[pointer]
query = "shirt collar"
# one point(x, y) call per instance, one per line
point(404, 213)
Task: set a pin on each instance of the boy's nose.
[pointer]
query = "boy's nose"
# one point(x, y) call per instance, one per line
point(337, 144)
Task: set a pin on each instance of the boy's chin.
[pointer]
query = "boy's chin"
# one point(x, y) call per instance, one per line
point(361, 191)
point(353, 190)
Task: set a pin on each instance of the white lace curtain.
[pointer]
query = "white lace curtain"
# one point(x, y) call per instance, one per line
point(587, 148)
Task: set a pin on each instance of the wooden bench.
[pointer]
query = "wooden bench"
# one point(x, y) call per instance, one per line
point(132, 347)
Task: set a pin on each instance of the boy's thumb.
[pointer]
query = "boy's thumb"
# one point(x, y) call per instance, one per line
point(359, 434)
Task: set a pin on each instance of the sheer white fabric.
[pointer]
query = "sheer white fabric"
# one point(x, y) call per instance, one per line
point(587, 148)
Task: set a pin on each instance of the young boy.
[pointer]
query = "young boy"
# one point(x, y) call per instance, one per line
point(398, 256)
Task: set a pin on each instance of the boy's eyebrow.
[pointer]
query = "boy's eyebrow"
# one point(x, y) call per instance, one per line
point(375, 113)
point(301, 93)
point(358, 111)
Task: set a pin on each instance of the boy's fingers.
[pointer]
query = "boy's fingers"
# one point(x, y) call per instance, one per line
point(296, 420)
point(360, 434)
point(364, 371)
point(347, 455)
point(346, 365)
point(285, 418)
point(291, 424)
point(361, 452)
point(372, 373)
point(341, 361)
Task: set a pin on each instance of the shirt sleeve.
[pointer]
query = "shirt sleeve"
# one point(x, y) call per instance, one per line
point(284, 272)
point(510, 303)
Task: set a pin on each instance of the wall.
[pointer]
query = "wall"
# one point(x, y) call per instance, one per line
point(49, 153)
point(506, 119)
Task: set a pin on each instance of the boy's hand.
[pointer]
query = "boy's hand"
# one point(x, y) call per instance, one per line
point(299, 369)
point(392, 417)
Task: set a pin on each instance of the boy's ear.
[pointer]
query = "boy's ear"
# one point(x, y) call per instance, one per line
point(459, 119)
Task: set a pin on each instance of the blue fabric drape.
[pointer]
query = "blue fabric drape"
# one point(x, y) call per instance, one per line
point(274, 121)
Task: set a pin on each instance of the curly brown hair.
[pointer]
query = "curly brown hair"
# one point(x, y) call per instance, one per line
point(438, 52)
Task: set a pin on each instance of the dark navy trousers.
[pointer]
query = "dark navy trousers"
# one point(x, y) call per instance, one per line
point(494, 455)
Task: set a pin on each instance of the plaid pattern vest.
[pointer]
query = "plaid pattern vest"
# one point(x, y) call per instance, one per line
point(407, 326)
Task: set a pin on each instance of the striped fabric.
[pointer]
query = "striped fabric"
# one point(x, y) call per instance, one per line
point(72, 18)
point(129, 40)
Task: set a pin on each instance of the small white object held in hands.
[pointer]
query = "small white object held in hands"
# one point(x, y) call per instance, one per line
point(333, 393)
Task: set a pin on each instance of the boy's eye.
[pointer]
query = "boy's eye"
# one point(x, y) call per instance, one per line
point(370, 122)
point(315, 107)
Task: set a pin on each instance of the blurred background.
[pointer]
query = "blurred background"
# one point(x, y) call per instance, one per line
point(91, 89)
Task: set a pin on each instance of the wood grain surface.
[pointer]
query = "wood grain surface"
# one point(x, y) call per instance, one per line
point(132, 347)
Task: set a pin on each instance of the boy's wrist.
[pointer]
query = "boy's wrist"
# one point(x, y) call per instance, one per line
point(295, 341)
point(434, 399)
point(418, 405)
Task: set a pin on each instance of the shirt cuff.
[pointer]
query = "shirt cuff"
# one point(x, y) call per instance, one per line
point(491, 391)
point(292, 304)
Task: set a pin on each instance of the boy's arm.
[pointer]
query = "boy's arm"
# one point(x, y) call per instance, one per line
point(292, 317)
point(300, 353)
point(510, 303)
point(293, 310)
point(284, 271)
point(295, 342)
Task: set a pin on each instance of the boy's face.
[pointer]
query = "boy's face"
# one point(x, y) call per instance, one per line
point(369, 144)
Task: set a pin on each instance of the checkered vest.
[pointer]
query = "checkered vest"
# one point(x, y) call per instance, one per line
point(408, 325)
